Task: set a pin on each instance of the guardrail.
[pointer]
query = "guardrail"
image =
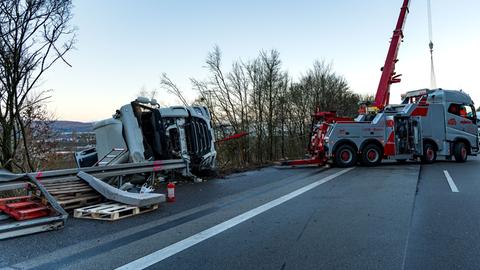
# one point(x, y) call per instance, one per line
point(99, 172)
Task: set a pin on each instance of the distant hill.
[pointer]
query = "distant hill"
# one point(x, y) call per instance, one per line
point(72, 126)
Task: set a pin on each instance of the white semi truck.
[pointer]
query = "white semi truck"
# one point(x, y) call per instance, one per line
point(142, 131)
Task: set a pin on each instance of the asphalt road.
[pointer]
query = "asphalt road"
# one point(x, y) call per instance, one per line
point(388, 217)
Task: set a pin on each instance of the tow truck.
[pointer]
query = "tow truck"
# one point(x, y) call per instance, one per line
point(427, 124)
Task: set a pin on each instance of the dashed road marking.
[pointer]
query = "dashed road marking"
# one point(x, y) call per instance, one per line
point(177, 247)
point(452, 185)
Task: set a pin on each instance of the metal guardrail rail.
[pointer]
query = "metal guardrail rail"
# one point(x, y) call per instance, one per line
point(99, 172)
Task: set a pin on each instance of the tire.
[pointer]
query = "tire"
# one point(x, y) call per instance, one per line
point(371, 155)
point(345, 156)
point(460, 152)
point(429, 154)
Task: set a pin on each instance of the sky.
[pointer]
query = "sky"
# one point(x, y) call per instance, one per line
point(125, 45)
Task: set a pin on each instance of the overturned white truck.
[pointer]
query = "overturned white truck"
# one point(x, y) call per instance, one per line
point(142, 131)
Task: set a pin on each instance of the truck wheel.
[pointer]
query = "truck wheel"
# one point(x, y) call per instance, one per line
point(429, 154)
point(371, 155)
point(345, 156)
point(460, 152)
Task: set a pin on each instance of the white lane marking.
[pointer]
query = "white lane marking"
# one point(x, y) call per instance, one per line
point(175, 248)
point(452, 185)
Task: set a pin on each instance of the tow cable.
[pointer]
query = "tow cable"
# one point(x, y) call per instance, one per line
point(433, 79)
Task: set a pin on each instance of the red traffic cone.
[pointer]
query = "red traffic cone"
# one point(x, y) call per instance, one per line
point(170, 192)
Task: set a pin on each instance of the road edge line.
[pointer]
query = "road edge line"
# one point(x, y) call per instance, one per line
point(450, 181)
point(166, 252)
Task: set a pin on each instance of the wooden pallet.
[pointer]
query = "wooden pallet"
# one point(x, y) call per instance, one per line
point(111, 211)
point(73, 194)
point(81, 201)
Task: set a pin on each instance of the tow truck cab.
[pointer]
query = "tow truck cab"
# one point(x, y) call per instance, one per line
point(447, 118)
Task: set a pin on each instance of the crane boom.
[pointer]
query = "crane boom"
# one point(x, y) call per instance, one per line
point(389, 76)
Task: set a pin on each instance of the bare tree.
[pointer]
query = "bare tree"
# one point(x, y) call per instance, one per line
point(39, 134)
point(273, 80)
point(220, 87)
point(172, 88)
point(258, 96)
point(254, 70)
point(152, 94)
point(34, 35)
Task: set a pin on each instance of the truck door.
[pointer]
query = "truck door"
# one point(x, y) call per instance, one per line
point(461, 123)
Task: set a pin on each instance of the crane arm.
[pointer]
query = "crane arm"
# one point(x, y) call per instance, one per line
point(389, 76)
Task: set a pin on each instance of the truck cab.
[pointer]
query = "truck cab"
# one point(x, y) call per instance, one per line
point(448, 121)
point(142, 131)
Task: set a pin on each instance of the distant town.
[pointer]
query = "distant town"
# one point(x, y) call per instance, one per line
point(71, 137)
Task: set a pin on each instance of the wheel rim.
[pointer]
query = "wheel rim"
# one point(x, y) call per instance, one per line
point(430, 154)
point(372, 155)
point(346, 156)
point(464, 153)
